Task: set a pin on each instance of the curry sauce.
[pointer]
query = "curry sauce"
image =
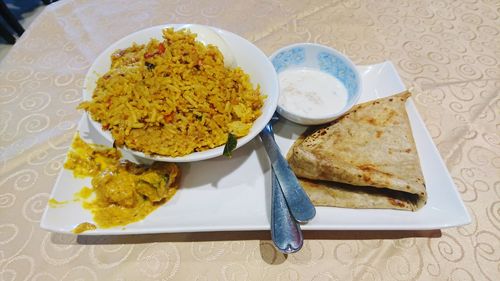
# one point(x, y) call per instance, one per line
point(122, 192)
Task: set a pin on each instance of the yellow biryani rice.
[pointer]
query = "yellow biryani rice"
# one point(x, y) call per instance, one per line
point(173, 97)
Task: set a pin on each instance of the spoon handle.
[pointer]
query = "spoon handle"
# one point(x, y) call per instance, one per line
point(296, 198)
point(285, 231)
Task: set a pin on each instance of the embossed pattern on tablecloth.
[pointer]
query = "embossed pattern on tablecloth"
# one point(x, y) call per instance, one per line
point(447, 51)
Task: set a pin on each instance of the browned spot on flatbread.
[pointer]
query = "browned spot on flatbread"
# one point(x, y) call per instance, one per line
point(378, 134)
point(367, 178)
point(390, 115)
point(396, 202)
point(371, 121)
point(408, 150)
point(371, 168)
point(367, 167)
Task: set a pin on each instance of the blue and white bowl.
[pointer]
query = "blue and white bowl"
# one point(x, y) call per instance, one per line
point(326, 60)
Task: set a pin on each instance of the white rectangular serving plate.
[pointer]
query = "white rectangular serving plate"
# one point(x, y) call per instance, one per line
point(234, 194)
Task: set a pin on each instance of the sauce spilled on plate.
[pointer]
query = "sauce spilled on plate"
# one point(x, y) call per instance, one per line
point(88, 160)
point(53, 203)
point(310, 92)
point(84, 226)
point(122, 192)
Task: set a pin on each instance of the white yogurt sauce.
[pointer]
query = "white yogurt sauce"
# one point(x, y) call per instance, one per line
point(311, 93)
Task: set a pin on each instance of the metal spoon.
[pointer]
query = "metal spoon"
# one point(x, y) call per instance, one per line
point(285, 231)
point(296, 198)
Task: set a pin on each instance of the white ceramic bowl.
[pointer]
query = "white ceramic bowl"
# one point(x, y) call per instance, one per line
point(247, 56)
point(324, 59)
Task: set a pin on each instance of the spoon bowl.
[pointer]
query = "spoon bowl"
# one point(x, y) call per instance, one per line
point(285, 231)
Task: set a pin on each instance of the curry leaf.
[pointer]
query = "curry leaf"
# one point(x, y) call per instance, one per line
point(231, 143)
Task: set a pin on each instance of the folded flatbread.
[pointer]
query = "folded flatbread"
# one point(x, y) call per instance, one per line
point(365, 159)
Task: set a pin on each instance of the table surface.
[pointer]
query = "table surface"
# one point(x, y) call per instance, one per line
point(447, 52)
